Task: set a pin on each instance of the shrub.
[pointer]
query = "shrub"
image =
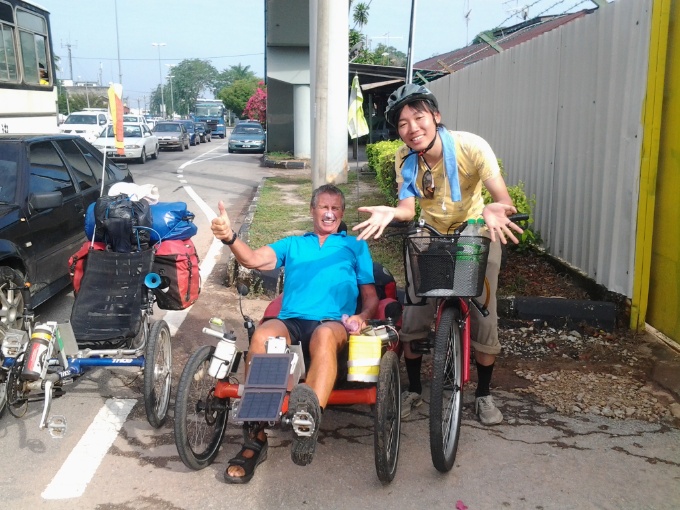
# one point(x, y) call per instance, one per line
point(381, 160)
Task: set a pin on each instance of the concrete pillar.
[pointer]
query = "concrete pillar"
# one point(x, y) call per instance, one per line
point(329, 22)
point(302, 132)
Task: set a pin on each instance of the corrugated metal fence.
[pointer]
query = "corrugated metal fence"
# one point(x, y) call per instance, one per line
point(564, 113)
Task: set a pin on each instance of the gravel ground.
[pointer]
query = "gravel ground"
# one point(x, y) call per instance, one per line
point(581, 370)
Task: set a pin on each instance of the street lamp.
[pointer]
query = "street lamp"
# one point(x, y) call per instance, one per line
point(172, 94)
point(160, 76)
point(172, 97)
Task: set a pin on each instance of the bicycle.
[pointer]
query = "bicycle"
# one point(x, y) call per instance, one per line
point(451, 268)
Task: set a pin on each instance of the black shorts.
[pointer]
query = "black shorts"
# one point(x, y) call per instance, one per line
point(300, 331)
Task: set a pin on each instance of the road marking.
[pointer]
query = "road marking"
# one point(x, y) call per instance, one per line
point(72, 478)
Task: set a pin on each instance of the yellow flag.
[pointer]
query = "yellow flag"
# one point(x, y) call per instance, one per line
point(115, 94)
point(356, 122)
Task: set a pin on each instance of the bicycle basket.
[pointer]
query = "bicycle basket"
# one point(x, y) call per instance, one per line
point(444, 266)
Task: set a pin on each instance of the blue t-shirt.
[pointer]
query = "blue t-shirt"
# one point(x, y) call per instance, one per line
point(321, 282)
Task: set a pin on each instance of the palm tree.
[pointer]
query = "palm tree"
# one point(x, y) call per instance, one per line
point(360, 16)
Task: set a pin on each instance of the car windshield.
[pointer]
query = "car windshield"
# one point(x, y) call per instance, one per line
point(250, 130)
point(132, 118)
point(208, 111)
point(81, 119)
point(166, 128)
point(8, 173)
point(189, 125)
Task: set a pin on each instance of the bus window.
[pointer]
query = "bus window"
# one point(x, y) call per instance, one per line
point(32, 38)
point(8, 59)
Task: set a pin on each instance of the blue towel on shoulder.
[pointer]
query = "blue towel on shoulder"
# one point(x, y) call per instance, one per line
point(409, 170)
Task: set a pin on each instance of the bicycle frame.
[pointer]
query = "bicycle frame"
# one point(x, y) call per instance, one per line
point(465, 328)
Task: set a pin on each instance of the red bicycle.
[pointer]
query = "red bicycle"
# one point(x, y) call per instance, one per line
point(451, 268)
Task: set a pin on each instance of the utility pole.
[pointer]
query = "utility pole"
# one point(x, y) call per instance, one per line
point(120, 73)
point(70, 60)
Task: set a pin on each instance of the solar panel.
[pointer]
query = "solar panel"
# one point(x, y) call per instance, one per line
point(269, 371)
point(265, 387)
point(260, 404)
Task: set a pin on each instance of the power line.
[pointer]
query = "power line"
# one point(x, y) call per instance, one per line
point(156, 59)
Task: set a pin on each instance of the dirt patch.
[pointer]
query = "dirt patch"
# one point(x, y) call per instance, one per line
point(578, 370)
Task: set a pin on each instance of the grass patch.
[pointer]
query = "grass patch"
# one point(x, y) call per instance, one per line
point(279, 156)
point(283, 209)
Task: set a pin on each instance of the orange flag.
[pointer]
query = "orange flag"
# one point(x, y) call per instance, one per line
point(116, 109)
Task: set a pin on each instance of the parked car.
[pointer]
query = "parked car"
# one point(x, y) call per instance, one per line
point(46, 184)
point(204, 131)
point(247, 136)
point(194, 139)
point(135, 119)
point(171, 135)
point(138, 141)
point(88, 124)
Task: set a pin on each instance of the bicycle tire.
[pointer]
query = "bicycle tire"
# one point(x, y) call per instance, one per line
point(387, 419)
point(446, 394)
point(200, 418)
point(157, 374)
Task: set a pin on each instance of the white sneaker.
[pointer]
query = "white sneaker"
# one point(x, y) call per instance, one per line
point(487, 411)
point(409, 400)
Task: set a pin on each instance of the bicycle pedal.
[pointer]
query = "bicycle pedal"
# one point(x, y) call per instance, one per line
point(57, 426)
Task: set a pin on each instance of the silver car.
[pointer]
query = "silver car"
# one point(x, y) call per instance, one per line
point(171, 135)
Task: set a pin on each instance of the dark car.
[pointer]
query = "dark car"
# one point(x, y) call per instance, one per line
point(46, 185)
point(204, 131)
point(247, 137)
point(194, 139)
point(171, 135)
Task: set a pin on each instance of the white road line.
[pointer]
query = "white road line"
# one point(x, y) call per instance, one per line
point(82, 463)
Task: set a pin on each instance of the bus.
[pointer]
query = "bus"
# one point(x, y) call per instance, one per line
point(210, 111)
point(28, 95)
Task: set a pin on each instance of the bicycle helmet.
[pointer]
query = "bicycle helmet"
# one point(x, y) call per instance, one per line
point(404, 95)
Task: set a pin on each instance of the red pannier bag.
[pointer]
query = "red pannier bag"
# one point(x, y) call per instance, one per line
point(76, 263)
point(176, 262)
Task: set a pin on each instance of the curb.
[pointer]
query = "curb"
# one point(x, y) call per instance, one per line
point(559, 312)
point(286, 164)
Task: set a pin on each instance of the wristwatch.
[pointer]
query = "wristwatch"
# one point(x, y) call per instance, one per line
point(232, 240)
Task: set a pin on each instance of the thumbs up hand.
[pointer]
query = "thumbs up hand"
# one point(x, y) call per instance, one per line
point(221, 225)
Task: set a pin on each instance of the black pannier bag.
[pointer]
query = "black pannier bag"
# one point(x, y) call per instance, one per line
point(123, 224)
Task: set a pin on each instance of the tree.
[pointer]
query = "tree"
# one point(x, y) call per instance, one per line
point(227, 77)
point(256, 108)
point(360, 16)
point(190, 79)
point(236, 96)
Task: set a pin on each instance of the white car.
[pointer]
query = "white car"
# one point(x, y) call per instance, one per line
point(134, 119)
point(87, 124)
point(138, 140)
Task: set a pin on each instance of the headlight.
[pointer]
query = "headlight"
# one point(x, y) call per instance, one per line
point(133, 146)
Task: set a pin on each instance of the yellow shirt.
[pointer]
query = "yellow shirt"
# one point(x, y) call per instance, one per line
point(476, 164)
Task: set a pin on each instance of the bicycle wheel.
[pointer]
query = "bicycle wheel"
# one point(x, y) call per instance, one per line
point(157, 374)
point(387, 423)
point(200, 418)
point(446, 397)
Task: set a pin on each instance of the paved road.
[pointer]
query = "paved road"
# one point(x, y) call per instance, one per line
point(536, 459)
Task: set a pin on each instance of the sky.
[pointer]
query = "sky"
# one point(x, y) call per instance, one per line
point(231, 32)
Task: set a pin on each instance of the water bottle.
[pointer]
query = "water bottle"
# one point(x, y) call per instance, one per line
point(222, 358)
point(465, 259)
point(38, 353)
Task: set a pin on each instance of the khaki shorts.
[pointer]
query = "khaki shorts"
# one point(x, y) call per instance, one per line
point(417, 319)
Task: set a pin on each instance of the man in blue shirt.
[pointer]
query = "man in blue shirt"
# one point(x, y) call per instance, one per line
point(326, 272)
